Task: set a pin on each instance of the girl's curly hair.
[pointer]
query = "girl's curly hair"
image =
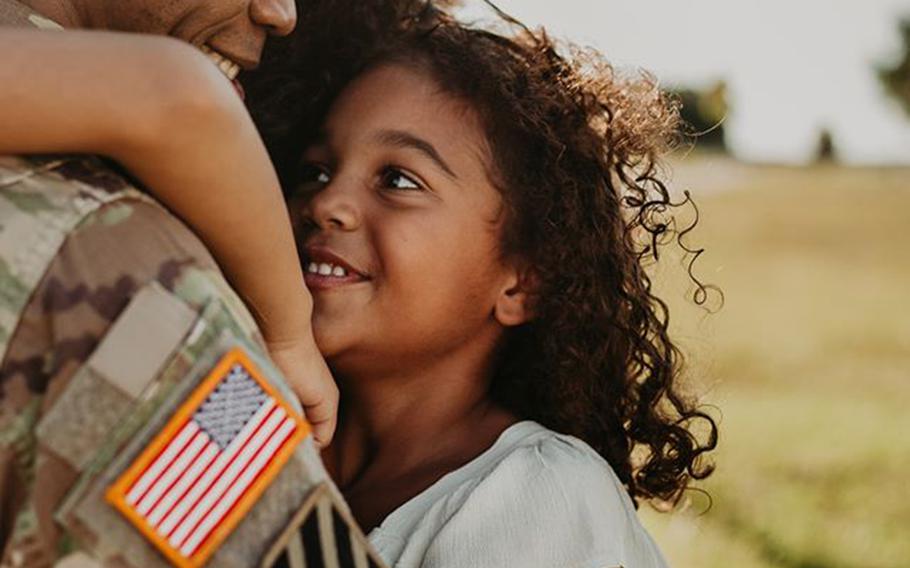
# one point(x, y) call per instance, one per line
point(575, 153)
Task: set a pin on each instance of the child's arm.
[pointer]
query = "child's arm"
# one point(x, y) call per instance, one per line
point(166, 113)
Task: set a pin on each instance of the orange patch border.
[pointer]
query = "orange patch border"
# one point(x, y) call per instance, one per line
point(116, 493)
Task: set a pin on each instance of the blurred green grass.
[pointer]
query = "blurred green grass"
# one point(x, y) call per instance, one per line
point(808, 364)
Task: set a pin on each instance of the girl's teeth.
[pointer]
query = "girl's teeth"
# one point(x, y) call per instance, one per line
point(326, 269)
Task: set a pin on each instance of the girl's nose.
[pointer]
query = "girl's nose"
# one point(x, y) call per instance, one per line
point(334, 207)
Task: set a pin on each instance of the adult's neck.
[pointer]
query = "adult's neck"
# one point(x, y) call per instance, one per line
point(410, 419)
point(73, 14)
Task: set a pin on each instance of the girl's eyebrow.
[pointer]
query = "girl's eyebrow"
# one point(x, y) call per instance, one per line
point(404, 139)
point(320, 139)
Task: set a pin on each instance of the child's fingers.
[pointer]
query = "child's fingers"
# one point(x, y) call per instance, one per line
point(322, 418)
point(319, 398)
point(320, 404)
point(312, 382)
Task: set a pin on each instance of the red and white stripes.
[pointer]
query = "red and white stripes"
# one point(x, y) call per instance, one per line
point(192, 484)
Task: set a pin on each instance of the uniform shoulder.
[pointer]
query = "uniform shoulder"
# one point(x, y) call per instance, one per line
point(76, 242)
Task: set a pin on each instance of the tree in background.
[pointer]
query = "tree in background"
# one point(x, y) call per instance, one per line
point(704, 112)
point(825, 150)
point(896, 77)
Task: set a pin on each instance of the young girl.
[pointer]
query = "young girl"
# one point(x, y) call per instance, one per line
point(469, 218)
point(473, 215)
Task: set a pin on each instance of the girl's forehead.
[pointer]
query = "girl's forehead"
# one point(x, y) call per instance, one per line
point(396, 92)
point(398, 97)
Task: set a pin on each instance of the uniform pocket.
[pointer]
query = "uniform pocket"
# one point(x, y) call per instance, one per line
point(125, 364)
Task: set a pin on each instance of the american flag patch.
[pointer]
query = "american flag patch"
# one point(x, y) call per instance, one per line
point(207, 466)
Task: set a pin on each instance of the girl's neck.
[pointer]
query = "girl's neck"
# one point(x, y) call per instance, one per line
point(397, 424)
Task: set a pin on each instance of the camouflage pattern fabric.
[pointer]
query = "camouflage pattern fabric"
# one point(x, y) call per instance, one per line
point(122, 243)
point(77, 242)
point(110, 310)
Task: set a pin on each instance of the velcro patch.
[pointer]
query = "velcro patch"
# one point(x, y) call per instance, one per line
point(210, 462)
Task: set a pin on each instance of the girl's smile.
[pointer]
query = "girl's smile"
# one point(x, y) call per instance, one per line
point(326, 270)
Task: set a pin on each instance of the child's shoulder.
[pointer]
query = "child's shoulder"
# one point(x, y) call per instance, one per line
point(548, 460)
point(561, 504)
point(535, 498)
point(545, 470)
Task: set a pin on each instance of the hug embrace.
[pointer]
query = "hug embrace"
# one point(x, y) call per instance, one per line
point(440, 229)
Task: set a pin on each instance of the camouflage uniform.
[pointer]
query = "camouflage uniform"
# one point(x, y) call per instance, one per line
point(82, 253)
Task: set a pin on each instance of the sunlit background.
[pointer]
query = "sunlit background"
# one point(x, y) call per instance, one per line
point(803, 184)
point(791, 67)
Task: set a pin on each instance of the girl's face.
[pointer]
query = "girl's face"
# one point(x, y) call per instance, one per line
point(399, 228)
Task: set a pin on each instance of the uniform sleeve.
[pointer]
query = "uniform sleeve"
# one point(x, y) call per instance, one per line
point(115, 252)
point(546, 505)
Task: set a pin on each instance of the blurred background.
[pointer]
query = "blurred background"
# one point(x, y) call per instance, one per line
point(802, 179)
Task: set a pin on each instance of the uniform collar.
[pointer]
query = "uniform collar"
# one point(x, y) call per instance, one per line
point(13, 13)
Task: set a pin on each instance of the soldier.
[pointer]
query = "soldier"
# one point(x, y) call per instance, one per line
point(110, 308)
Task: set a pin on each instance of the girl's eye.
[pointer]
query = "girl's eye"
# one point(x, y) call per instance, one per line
point(312, 173)
point(395, 179)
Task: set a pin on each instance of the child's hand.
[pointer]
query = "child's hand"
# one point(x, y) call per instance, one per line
point(309, 376)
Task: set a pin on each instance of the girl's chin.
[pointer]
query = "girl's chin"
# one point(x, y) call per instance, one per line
point(330, 344)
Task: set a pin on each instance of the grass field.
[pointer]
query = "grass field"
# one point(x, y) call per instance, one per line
point(808, 364)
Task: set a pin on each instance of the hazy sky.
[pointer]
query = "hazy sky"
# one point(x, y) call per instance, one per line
point(792, 66)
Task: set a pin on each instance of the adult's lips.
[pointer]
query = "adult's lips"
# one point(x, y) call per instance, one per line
point(223, 62)
point(228, 66)
point(239, 88)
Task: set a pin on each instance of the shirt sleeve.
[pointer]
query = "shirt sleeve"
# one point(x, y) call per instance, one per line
point(112, 254)
point(556, 503)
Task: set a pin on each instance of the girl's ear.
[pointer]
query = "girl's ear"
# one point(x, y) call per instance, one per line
point(515, 303)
